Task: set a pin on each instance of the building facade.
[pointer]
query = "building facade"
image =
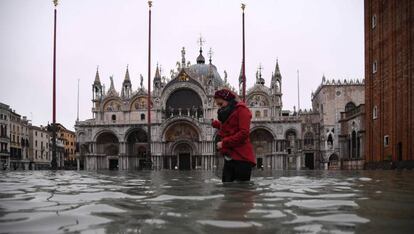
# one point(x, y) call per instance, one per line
point(352, 138)
point(19, 141)
point(4, 136)
point(68, 139)
point(329, 100)
point(389, 95)
point(181, 111)
point(39, 150)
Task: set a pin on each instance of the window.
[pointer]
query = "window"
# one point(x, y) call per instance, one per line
point(142, 116)
point(349, 106)
point(374, 21)
point(330, 141)
point(265, 113)
point(374, 67)
point(36, 143)
point(386, 140)
point(257, 114)
point(308, 139)
point(375, 112)
point(41, 134)
point(35, 133)
point(113, 118)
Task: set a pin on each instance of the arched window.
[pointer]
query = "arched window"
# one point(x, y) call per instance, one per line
point(349, 106)
point(375, 112)
point(142, 116)
point(330, 141)
point(113, 118)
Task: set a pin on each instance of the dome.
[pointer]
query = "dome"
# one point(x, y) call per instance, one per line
point(202, 70)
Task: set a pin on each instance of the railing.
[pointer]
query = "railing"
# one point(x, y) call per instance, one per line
point(351, 113)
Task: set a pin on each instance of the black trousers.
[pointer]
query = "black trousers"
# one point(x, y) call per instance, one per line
point(235, 170)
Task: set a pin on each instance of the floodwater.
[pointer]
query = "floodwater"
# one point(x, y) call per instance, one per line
point(197, 202)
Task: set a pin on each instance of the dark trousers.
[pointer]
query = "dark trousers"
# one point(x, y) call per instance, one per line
point(235, 170)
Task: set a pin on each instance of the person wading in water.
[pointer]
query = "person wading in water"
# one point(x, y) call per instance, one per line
point(233, 136)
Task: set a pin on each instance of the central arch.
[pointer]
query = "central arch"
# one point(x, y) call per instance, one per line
point(184, 101)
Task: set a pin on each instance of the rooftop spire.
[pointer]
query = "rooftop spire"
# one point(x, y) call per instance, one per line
point(183, 57)
point(210, 54)
point(277, 70)
point(97, 80)
point(157, 72)
point(200, 58)
point(259, 79)
point(127, 79)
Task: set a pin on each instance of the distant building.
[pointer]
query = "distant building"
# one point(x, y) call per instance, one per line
point(389, 95)
point(19, 141)
point(39, 150)
point(312, 158)
point(330, 99)
point(4, 136)
point(68, 139)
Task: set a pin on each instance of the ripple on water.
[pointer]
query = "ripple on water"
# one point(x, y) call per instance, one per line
point(229, 224)
point(320, 203)
point(162, 198)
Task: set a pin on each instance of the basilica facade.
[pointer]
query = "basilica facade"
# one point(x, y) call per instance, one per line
point(182, 108)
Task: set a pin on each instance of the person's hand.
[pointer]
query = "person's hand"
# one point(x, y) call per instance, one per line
point(215, 123)
point(219, 145)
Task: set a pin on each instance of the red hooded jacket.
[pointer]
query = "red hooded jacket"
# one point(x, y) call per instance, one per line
point(235, 134)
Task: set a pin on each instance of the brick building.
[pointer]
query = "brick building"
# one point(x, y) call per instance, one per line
point(389, 33)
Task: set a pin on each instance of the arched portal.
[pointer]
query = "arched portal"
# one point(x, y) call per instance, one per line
point(107, 143)
point(333, 162)
point(262, 141)
point(184, 102)
point(184, 152)
point(137, 143)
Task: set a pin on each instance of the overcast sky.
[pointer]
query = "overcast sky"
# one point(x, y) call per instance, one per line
point(317, 37)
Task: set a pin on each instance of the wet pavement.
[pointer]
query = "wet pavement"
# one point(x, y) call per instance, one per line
point(197, 202)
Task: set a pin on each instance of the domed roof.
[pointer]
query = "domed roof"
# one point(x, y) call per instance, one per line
point(202, 71)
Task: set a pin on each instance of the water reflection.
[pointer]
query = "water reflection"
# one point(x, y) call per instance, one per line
point(197, 202)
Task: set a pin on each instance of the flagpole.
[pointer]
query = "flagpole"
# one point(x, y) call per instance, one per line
point(243, 6)
point(148, 159)
point(54, 161)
